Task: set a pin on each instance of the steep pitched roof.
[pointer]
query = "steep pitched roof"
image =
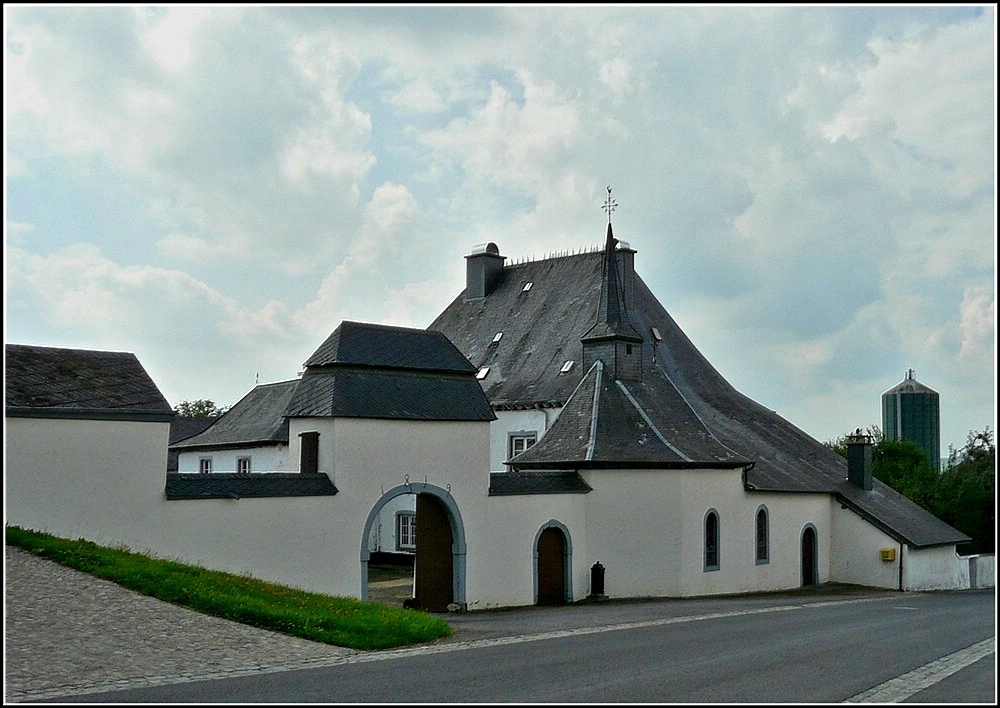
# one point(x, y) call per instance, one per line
point(256, 419)
point(377, 371)
point(55, 382)
point(682, 403)
point(383, 346)
point(614, 423)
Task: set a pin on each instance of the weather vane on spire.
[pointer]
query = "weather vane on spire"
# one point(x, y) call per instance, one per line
point(609, 205)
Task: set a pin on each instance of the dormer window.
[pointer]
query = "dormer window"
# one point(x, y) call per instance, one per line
point(567, 366)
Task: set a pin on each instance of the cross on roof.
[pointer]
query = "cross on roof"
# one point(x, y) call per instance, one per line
point(609, 204)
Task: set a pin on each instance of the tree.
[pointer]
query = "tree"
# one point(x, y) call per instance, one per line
point(967, 492)
point(963, 496)
point(201, 408)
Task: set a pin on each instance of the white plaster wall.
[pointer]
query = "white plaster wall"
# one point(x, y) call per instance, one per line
point(511, 421)
point(986, 571)
point(262, 459)
point(788, 515)
point(501, 535)
point(856, 548)
point(937, 568)
point(105, 482)
point(79, 478)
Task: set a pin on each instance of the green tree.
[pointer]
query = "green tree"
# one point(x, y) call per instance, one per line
point(201, 408)
point(963, 496)
point(966, 496)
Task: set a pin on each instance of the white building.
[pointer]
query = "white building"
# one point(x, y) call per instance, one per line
point(553, 435)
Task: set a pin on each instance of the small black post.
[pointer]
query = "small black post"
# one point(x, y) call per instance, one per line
point(597, 582)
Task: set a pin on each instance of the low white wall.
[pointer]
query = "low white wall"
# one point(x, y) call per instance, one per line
point(937, 568)
point(982, 570)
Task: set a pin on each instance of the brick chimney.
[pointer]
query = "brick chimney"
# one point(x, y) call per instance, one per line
point(859, 459)
point(482, 267)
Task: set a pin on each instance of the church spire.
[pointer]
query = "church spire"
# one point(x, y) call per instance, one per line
point(612, 337)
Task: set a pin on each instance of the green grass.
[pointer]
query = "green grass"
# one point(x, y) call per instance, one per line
point(341, 621)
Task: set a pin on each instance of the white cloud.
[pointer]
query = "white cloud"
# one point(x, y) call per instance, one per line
point(811, 191)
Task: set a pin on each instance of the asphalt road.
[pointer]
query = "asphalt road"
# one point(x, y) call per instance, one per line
point(828, 645)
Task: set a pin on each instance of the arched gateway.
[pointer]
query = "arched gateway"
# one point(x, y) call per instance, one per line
point(440, 547)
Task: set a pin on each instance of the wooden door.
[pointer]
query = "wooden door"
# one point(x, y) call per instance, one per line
point(434, 571)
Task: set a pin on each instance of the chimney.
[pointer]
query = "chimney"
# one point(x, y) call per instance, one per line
point(481, 269)
point(625, 257)
point(859, 459)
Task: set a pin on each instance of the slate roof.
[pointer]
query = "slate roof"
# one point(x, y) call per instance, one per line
point(246, 486)
point(181, 428)
point(688, 408)
point(376, 371)
point(257, 419)
point(609, 423)
point(56, 382)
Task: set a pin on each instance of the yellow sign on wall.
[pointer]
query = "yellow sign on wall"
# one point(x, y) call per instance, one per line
point(887, 554)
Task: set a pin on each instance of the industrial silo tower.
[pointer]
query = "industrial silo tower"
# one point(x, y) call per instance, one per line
point(911, 411)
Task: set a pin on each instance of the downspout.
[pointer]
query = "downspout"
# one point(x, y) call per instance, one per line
point(901, 566)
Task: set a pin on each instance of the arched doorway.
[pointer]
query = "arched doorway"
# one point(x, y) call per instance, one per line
point(553, 565)
point(809, 563)
point(439, 566)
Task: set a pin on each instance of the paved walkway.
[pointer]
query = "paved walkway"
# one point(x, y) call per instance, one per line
point(68, 633)
point(57, 645)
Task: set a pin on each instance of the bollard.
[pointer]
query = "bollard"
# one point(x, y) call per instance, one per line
point(597, 582)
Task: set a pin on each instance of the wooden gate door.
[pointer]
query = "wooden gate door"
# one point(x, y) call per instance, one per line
point(433, 585)
point(551, 567)
point(809, 557)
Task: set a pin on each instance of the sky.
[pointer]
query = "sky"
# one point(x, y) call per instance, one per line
point(810, 190)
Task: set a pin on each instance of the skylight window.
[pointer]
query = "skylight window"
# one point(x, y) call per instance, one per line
point(496, 337)
point(481, 374)
point(567, 366)
point(527, 287)
point(656, 334)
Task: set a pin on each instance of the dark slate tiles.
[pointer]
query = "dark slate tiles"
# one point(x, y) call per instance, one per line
point(55, 379)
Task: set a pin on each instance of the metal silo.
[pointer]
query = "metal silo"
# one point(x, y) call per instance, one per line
point(911, 411)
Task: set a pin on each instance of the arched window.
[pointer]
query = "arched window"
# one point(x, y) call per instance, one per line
point(711, 540)
point(762, 554)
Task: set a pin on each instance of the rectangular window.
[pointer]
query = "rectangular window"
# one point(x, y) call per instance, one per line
point(205, 465)
point(521, 441)
point(242, 465)
point(406, 531)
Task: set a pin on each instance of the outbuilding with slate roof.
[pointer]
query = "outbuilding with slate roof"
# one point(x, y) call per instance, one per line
point(71, 417)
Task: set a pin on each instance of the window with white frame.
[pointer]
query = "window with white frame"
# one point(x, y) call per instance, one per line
point(406, 531)
point(521, 441)
point(205, 465)
point(242, 465)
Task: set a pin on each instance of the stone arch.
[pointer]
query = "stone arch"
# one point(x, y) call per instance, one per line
point(457, 532)
point(553, 526)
